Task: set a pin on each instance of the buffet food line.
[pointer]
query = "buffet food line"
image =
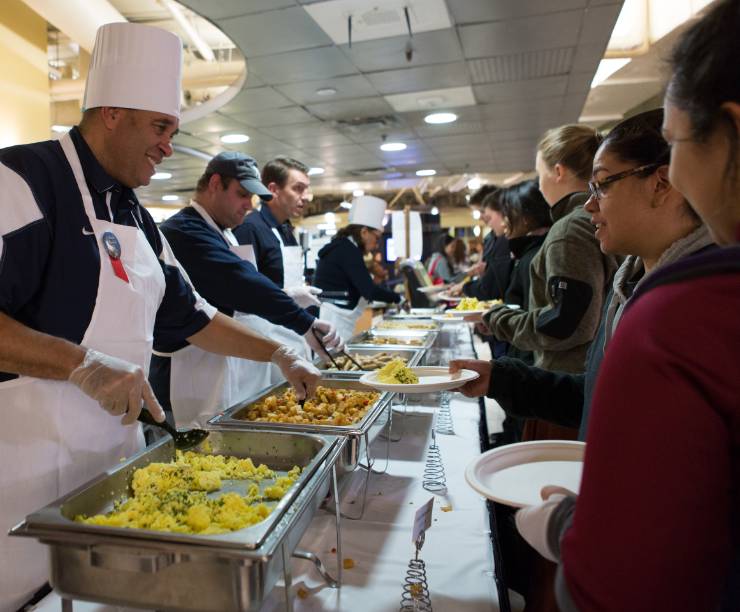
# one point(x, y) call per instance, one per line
point(380, 454)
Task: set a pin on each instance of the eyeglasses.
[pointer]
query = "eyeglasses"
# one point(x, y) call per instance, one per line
point(597, 187)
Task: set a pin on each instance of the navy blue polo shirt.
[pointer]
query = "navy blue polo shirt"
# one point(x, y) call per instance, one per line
point(49, 261)
point(257, 231)
point(225, 279)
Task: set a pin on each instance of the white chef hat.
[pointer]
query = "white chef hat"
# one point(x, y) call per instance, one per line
point(135, 66)
point(369, 211)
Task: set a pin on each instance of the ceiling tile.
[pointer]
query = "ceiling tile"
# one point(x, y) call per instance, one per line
point(598, 24)
point(579, 83)
point(275, 116)
point(436, 47)
point(258, 98)
point(333, 139)
point(308, 129)
point(587, 57)
point(433, 99)
point(296, 66)
point(186, 140)
point(350, 109)
point(380, 20)
point(287, 29)
point(374, 135)
point(521, 35)
point(474, 11)
point(230, 8)
point(521, 90)
point(420, 78)
point(449, 129)
point(214, 122)
point(521, 66)
point(355, 86)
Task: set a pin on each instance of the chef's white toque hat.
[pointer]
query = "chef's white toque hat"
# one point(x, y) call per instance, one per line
point(135, 66)
point(369, 211)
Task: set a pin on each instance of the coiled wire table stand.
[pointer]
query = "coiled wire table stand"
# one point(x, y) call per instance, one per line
point(444, 424)
point(415, 597)
point(434, 479)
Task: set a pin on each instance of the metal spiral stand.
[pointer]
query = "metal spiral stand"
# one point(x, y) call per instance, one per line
point(415, 597)
point(444, 424)
point(434, 479)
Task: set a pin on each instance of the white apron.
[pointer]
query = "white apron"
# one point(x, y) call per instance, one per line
point(202, 383)
point(53, 437)
point(343, 319)
point(292, 277)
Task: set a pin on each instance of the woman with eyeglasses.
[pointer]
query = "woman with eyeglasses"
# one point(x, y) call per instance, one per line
point(657, 523)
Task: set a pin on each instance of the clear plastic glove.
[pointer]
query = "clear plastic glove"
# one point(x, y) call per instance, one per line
point(304, 295)
point(328, 334)
point(302, 375)
point(117, 385)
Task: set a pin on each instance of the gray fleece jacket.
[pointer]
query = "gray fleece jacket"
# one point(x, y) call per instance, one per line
point(569, 279)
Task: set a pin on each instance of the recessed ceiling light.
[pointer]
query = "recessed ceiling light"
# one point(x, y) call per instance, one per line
point(476, 230)
point(476, 214)
point(437, 118)
point(427, 172)
point(61, 129)
point(170, 198)
point(329, 217)
point(435, 210)
point(326, 91)
point(474, 184)
point(234, 138)
point(358, 193)
point(346, 205)
point(315, 170)
point(392, 146)
point(160, 176)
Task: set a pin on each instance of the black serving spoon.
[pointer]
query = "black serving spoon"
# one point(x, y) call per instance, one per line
point(185, 439)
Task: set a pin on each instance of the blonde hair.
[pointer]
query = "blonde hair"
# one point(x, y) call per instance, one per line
point(572, 146)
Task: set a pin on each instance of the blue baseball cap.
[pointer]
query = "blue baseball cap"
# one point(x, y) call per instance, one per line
point(241, 167)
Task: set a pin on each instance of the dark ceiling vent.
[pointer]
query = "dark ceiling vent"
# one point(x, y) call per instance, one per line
point(361, 123)
point(378, 171)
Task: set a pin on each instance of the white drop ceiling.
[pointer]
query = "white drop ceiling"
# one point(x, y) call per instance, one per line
point(509, 69)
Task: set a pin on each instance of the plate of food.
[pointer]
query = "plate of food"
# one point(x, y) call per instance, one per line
point(395, 376)
point(446, 297)
point(514, 474)
point(432, 289)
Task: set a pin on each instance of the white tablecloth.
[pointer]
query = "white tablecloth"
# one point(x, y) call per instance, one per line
point(457, 551)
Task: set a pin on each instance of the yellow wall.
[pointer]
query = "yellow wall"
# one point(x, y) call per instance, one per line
point(24, 76)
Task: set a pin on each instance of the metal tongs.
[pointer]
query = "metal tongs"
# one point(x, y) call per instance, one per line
point(342, 352)
point(185, 439)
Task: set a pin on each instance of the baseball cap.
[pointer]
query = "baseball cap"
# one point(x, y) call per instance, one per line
point(243, 168)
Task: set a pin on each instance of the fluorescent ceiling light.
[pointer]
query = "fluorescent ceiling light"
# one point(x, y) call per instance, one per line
point(315, 170)
point(205, 51)
point(161, 176)
point(358, 193)
point(393, 146)
point(61, 129)
point(438, 118)
point(608, 67)
point(234, 138)
point(170, 198)
point(426, 172)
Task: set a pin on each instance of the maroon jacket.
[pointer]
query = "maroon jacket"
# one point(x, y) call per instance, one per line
point(657, 521)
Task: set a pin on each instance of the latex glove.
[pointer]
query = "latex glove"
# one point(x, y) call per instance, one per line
point(533, 522)
point(301, 374)
point(328, 334)
point(479, 386)
point(304, 295)
point(117, 385)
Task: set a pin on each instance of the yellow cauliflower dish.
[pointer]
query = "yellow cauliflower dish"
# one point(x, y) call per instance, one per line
point(471, 303)
point(328, 407)
point(174, 496)
point(396, 373)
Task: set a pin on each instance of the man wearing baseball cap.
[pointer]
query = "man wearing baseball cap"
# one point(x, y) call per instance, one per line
point(86, 282)
point(194, 383)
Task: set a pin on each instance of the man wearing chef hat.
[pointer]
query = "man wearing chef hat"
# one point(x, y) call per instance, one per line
point(86, 283)
point(341, 266)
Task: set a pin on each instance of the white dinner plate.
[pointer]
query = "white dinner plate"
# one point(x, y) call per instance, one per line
point(431, 379)
point(515, 474)
point(432, 288)
point(446, 297)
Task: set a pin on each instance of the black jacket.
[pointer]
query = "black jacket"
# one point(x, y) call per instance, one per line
point(495, 279)
point(341, 268)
